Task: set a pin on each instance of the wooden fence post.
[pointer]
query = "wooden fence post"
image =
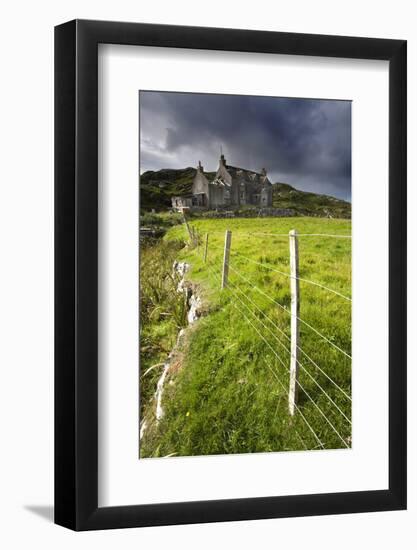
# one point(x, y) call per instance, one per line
point(187, 226)
point(295, 314)
point(225, 271)
point(206, 248)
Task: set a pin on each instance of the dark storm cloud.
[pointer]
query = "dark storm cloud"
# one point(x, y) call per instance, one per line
point(306, 143)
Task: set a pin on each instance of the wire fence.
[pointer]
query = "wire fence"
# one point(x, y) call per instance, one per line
point(286, 344)
point(266, 266)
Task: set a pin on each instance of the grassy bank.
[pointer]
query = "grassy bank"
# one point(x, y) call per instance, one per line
point(230, 394)
point(162, 312)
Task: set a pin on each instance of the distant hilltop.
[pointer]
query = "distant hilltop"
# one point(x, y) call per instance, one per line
point(159, 188)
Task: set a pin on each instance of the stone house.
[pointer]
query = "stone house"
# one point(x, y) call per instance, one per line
point(231, 187)
point(178, 203)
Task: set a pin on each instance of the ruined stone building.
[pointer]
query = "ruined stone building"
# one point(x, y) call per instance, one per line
point(231, 186)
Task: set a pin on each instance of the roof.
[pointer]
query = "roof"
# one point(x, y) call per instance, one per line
point(238, 168)
point(252, 175)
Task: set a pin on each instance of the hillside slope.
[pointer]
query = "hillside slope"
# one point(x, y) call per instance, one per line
point(305, 203)
point(158, 187)
point(227, 390)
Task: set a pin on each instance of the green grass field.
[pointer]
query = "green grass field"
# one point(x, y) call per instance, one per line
point(230, 392)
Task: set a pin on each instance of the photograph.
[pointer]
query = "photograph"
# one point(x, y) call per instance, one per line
point(208, 331)
point(245, 274)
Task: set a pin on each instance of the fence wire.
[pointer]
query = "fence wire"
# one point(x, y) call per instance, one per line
point(216, 271)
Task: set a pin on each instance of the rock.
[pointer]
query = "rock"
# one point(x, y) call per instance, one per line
point(143, 427)
point(181, 268)
point(194, 312)
point(159, 391)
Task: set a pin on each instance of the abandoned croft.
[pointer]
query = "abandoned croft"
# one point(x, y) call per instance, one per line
point(231, 187)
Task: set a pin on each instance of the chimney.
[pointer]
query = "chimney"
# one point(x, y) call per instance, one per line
point(263, 172)
point(222, 160)
point(200, 167)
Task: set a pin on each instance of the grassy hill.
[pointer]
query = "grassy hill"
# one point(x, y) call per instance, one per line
point(158, 187)
point(307, 204)
point(228, 392)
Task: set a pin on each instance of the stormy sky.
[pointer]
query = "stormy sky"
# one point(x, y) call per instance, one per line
point(303, 142)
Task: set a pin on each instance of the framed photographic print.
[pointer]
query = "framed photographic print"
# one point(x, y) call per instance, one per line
point(230, 275)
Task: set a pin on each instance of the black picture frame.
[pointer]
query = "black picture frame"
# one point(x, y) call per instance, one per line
point(76, 272)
